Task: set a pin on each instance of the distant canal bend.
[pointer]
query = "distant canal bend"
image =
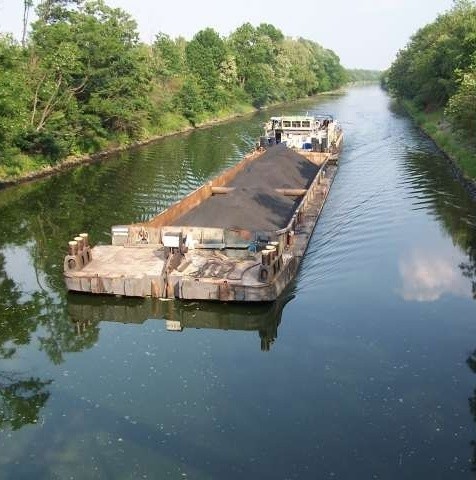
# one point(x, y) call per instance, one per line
point(365, 369)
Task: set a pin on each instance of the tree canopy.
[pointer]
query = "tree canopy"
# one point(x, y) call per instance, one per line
point(437, 69)
point(81, 80)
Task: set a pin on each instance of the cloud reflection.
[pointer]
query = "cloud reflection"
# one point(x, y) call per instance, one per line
point(426, 276)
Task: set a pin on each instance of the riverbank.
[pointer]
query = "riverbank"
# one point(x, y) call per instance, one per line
point(178, 125)
point(458, 150)
point(76, 160)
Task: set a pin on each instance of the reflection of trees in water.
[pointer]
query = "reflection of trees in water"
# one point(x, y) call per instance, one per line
point(448, 201)
point(471, 361)
point(469, 268)
point(21, 400)
point(22, 315)
point(61, 336)
point(23, 396)
point(16, 326)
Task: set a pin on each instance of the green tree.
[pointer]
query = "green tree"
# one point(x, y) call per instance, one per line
point(253, 47)
point(427, 71)
point(89, 76)
point(206, 54)
point(169, 55)
point(14, 94)
point(436, 70)
point(190, 99)
point(82, 80)
point(256, 51)
point(460, 108)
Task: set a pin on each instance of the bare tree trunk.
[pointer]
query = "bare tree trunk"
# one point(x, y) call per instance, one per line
point(27, 4)
point(48, 108)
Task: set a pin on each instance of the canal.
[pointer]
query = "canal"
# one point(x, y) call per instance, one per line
point(366, 368)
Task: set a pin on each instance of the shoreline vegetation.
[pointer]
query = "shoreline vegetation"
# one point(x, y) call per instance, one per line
point(458, 149)
point(78, 160)
point(81, 85)
point(434, 79)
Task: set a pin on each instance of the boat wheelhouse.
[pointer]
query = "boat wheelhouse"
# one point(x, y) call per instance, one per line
point(316, 133)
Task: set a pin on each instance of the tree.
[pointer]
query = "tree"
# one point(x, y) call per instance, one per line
point(436, 70)
point(88, 75)
point(252, 47)
point(170, 56)
point(206, 54)
point(82, 80)
point(14, 93)
point(190, 101)
point(53, 11)
point(460, 108)
point(427, 71)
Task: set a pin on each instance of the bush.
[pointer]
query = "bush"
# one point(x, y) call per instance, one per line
point(48, 144)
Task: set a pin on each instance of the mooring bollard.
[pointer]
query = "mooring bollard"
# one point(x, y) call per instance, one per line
point(85, 238)
point(272, 252)
point(86, 248)
point(73, 261)
point(265, 258)
point(72, 248)
point(277, 247)
point(79, 253)
point(80, 241)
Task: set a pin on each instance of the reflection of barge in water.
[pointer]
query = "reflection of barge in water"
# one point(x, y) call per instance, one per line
point(239, 237)
point(87, 312)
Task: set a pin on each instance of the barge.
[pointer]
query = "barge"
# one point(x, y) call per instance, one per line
point(239, 237)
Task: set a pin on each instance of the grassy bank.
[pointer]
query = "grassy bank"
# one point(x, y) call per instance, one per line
point(461, 150)
point(21, 167)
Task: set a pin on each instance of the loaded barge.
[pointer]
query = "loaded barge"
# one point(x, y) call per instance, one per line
point(239, 237)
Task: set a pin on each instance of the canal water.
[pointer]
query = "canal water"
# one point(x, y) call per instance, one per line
point(364, 369)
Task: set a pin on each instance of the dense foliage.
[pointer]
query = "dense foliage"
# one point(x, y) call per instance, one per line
point(361, 75)
point(81, 80)
point(437, 69)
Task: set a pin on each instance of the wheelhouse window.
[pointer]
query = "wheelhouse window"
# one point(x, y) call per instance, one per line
point(306, 124)
point(286, 124)
point(296, 124)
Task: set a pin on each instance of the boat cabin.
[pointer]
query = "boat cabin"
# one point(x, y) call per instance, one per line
point(300, 132)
